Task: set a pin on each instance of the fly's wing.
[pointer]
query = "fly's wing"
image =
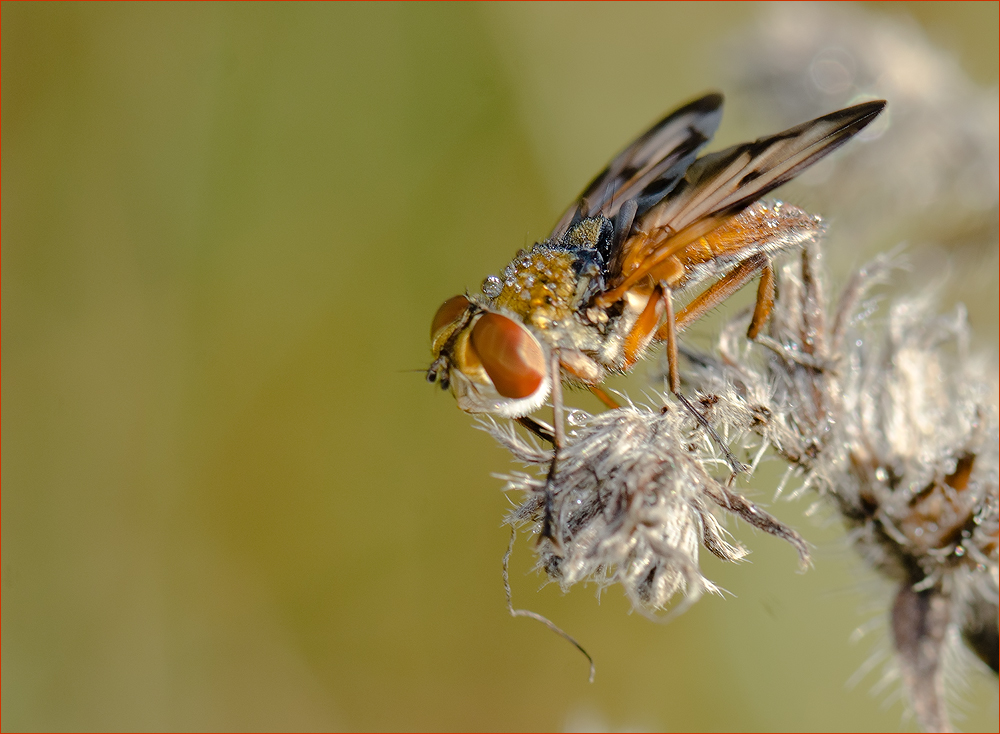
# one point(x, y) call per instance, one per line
point(649, 168)
point(720, 185)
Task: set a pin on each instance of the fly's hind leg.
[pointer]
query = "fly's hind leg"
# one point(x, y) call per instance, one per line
point(765, 300)
point(727, 286)
point(668, 333)
point(661, 303)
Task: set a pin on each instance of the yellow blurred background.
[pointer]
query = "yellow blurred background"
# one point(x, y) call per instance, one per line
point(228, 500)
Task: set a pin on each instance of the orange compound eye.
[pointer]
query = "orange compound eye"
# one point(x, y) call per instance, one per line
point(447, 314)
point(511, 356)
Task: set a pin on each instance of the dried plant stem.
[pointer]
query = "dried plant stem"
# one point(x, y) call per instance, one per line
point(534, 615)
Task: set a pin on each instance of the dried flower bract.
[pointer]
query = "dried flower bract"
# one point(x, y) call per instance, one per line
point(896, 423)
point(633, 502)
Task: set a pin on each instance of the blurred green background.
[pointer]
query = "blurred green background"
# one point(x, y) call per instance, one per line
point(228, 502)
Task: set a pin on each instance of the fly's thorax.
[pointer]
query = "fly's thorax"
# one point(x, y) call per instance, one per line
point(550, 284)
point(540, 286)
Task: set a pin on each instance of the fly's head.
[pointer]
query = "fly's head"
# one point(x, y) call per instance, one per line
point(492, 362)
point(493, 351)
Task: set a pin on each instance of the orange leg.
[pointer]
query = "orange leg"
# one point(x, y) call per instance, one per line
point(603, 397)
point(668, 333)
point(579, 369)
point(644, 327)
point(724, 288)
point(765, 301)
point(670, 336)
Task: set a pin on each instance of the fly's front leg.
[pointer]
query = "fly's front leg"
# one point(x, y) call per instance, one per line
point(538, 428)
point(558, 441)
point(558, 429)
point(589, 372)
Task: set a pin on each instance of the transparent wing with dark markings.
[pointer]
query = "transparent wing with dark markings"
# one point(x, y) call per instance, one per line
point(649, 168)
point(720, 185)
